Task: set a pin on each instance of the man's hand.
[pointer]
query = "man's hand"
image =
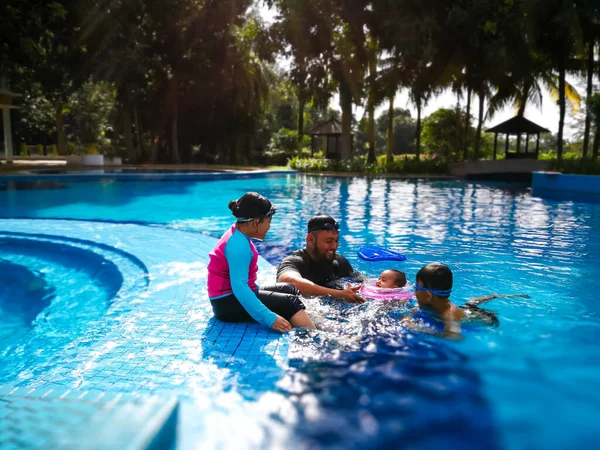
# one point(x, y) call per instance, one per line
point(281, 325)
point(349, 294)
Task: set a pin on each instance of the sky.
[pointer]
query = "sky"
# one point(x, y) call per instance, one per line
point(547, 115)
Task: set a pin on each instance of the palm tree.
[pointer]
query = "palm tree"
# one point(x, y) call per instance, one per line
point(559, 43)
point(590, 78)
point(393, 75)
point(371, 98)
point(589, 17)
point(594, 108)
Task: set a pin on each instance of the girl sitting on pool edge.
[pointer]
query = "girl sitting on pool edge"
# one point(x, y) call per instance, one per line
point(232, 273)
point(433, 288)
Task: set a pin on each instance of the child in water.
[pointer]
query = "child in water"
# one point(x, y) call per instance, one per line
point(391, 279)
point(388, 279)
point(432, 290)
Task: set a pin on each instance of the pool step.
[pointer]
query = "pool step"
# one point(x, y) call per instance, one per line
point(92, 420)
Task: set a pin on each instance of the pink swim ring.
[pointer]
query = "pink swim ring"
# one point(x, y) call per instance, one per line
point(371, 291)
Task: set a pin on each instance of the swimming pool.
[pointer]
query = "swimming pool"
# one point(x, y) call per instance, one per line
point(367, 383)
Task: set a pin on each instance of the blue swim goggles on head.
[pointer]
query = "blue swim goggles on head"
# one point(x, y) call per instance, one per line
point(263, 216)
point(438, 292)
point(326, 226)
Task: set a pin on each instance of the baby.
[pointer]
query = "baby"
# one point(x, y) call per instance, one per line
point(391, 279)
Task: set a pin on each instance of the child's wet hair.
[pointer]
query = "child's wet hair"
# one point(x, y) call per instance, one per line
point(399, 277)
point(251, 205)
point(437, 277)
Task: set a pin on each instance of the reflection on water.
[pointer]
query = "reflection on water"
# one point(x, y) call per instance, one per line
point(32, 291)
point(370, 383)
point(365, 381)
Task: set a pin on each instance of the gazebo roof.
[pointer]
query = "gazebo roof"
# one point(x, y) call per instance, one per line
point(331, 127)
point(518, 125)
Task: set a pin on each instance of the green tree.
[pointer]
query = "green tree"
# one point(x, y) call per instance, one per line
point(92, 115)
point(439, 132)
point(404, 129)
point(41, 44)
point(594, 108)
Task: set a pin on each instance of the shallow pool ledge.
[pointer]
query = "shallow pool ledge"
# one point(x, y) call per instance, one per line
point(559, 186)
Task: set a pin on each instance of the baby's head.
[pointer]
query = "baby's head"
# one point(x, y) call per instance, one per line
point(433, 280)
point(391, 279)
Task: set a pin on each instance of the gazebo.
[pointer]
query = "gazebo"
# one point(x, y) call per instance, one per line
point(332, 131)
point(518, 126)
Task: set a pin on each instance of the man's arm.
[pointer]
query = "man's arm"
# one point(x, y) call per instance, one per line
point(307, 287)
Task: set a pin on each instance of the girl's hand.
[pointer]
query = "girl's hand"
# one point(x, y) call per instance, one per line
point(281, 325)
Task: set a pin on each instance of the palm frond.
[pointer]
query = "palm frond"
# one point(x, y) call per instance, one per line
point(573, 97)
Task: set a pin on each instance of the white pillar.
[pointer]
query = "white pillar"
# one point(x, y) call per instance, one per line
point(8, 153)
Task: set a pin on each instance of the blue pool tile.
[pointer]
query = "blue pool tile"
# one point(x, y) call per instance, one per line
point(95, 395)
point(112, 396)
point(187, 335)
point(21, 392)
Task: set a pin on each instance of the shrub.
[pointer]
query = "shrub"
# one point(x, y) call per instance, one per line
point(359, 164)
point(284, 145)
point(286, 140)
point(577, 166)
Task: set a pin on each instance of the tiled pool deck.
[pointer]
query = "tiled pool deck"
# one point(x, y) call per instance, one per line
point(161, 341)
point(91, 174)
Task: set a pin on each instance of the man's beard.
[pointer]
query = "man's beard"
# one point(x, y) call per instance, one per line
point(321, 257)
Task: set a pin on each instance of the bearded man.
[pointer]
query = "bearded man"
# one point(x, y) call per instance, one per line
point(314, 269)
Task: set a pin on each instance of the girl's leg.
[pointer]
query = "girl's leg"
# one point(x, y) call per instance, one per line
point(301, 319)
point(229, 309)
point(282, 288)
point(287, 305)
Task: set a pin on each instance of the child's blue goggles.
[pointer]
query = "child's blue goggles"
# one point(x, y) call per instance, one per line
point(263, 216)
point(438, 292)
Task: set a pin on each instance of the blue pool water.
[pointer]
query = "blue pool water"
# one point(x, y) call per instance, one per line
point(53, 290)
point(369, 382)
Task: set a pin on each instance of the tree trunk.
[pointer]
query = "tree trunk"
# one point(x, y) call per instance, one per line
point(418, 136)
point(457, 146)
point(138, 130)
point(172, 101)
point(154, 149)
point(479, 124)
point(371, 110)
point(301, 104)
point(371, 133)
point(596, 143)
point(174, 138)
point(588, 115)
point(233, 152)
point(525, 96)
point(390, 132)
point(61, 141)
point(131, 151)
point(468, 125)
point(346, 105)
point(562, 107)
